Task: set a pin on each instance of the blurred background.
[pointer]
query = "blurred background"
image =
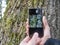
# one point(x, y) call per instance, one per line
point(13, 15)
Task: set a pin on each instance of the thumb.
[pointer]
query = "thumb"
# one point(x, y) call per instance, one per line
point(45, 23)
point(33, 41)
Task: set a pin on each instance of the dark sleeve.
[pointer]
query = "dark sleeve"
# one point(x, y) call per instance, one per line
point(51, 41)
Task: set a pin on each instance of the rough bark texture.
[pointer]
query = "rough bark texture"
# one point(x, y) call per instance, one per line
point(54, 17)
point(13, 23)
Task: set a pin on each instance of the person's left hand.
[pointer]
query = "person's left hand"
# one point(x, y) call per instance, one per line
point(46, 31)
point(32, 41)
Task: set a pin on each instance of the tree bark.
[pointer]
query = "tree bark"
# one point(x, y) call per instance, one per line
point(16, 14)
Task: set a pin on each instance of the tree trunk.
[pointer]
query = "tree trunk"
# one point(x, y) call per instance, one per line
point(13, 23)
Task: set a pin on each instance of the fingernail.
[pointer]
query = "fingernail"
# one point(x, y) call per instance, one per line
point(35, 35)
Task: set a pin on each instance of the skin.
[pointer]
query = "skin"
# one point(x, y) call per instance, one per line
point(35, 40)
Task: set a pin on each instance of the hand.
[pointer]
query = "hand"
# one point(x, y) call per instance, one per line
point(32, 41)
point(46, 31)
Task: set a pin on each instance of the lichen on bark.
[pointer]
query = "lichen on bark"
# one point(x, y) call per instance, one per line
point(15, 16)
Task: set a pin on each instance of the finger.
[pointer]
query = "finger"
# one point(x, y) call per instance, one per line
point(45, 23)
point(26, 39)
point(38, 40)
point(33, 41)
point(43, 40)
point(27, 27)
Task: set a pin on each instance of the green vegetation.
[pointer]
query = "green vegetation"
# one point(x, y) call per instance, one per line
point(16, 14)
point(14, 20)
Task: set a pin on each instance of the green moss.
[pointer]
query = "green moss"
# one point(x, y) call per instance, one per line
point(13, 23)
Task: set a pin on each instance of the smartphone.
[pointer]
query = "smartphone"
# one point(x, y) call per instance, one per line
point(35, 22)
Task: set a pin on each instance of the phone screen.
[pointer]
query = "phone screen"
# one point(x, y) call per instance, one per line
point(35, 22)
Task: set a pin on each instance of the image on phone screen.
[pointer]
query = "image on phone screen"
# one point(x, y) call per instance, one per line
point(35, 22)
